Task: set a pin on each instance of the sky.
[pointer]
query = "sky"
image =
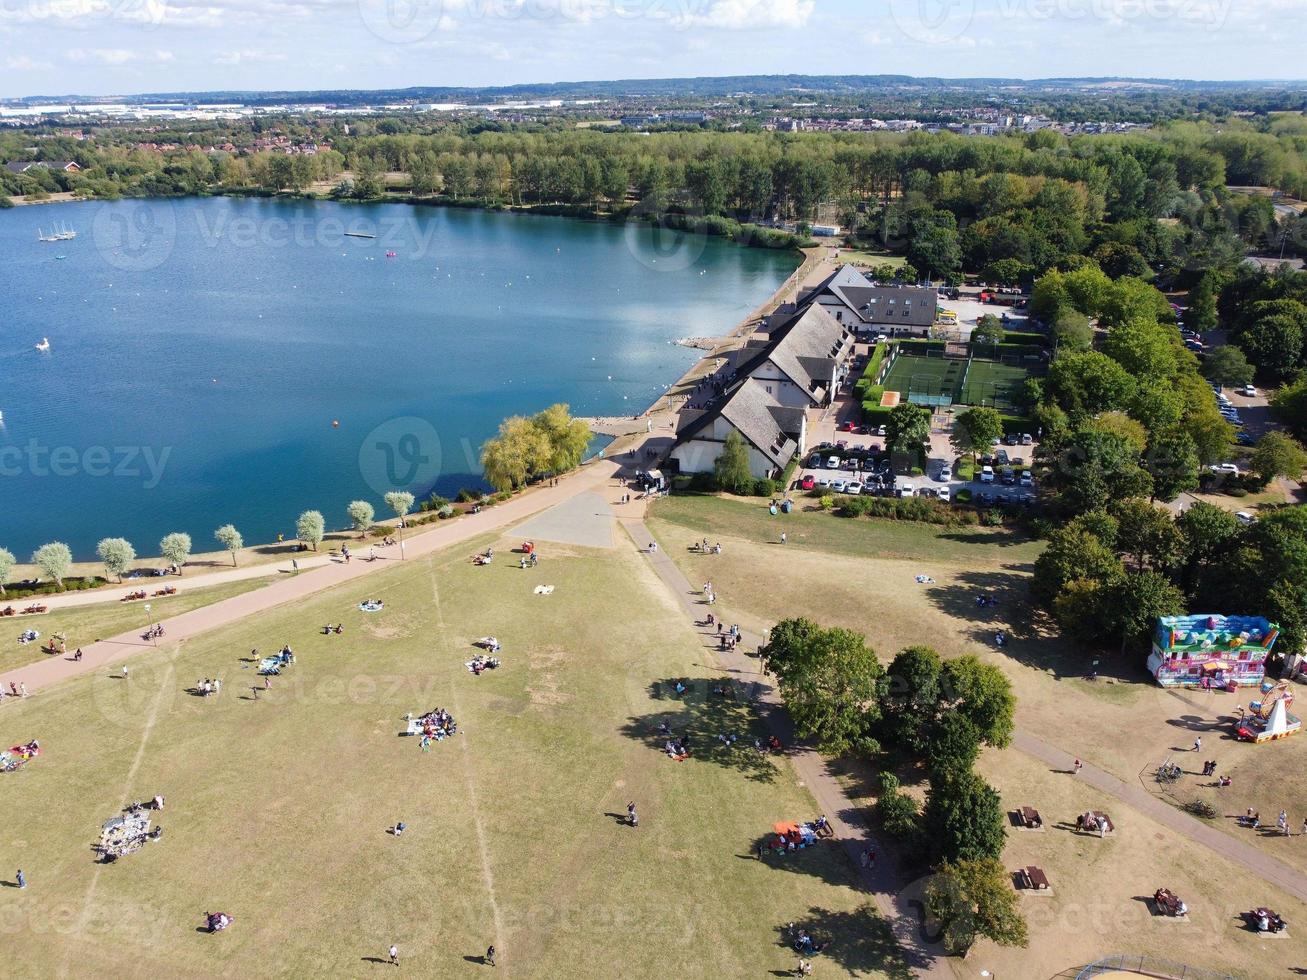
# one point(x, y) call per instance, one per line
point(106, 47)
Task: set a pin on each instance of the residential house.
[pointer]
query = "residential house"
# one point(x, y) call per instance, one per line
point(802, 362)
point(24, 166)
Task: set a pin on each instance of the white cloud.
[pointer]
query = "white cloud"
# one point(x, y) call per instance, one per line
point(750, 14)
point(102, 56)
point(248, 57)
point(24, 63)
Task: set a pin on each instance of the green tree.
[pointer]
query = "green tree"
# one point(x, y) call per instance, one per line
point(54, 559)
point(400, 503)
point(830, 680)
point(361, 515)
point(117, 555)
point(908, 427)
point(989, 330)
point(1278, 455)
point(519, 452)
point(896, 811)
point(912, 697)
point(1139, 599)
point(1143, 347)
point(1289, 405)
point(1072, 332)
point(982, 694)
point(231, 539)
point(972, 900)
point(7, 563)
point(1275, 344)
point(1089, 383)
point(311, 528)
point(1227, 365)
point(176, 548)
point(731, 468)
point(1072, 553)
point(953, 747)
point(975, 430)
point(1201, 315)
point(568, 438)
point(963, 818)
point(1146, 533)
point(1172, 462)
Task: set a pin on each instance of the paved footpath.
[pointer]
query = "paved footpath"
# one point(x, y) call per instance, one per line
point(1252, 858)
point(885, 886)
point(309, 581)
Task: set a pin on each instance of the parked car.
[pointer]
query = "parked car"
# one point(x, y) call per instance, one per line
point(881, 430)
point(1002, 457)
point(1249, 391)
point(1245, 439)
point(1229, 469)
point(854, 488)
point(1027, 439)
point(941, 475)
point(808, 483)
point(943, 494)
point(814, 461)
point(906, 490)
point(1009, 477)
point(833, 463)
point(1243, 517)
point(987, 474)
point(1027, 478)
point(839, 486)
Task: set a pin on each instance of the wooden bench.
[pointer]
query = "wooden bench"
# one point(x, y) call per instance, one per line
point(1034, 879)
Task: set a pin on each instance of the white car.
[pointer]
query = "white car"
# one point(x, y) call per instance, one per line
point(854, 488)
point(987, 474)
point(1229, 469)
point(943, 494)
point(1249, 391)
point(906, 490)
point(1244, 517)
point(833, 463)
point(839, 486)
point(1027, 479)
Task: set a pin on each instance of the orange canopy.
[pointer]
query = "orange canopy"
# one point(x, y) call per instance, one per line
point(785, 827)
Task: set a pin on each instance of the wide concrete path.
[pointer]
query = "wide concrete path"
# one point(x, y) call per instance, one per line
point(886, 888)
point(310, 580)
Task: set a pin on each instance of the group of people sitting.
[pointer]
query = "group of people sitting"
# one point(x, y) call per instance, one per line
point(529, 561)
point(1252, 819)
point(484, 557)
point(438, 724)
point(371, 605)
point(28, 636)
point(209, 686)
point(337, 629)
point(1268, 921)
point(983, 600)
point(482, 662)
point(704, 548)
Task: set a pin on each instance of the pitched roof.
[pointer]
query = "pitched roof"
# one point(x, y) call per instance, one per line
point(805, 347)
point(865, 299)
point(758, 417)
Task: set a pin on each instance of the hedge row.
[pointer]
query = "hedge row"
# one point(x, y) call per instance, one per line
point(868, 379)
point(921, 509)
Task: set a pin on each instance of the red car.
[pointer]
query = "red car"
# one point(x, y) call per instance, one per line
point(848, 426)
point(808, 483)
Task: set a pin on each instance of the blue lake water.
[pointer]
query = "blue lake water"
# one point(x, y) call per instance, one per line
point(201, 350)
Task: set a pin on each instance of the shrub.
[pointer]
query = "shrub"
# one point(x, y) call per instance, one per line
point(469, 496)
point(502, 496)
point(764, 488)
point(992, 518)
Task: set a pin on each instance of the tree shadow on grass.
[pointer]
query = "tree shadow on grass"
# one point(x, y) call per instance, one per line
point(993, 539)
point(704, 711)
point(858, 941)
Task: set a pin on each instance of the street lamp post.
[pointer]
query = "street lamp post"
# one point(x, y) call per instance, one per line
point(149, 625)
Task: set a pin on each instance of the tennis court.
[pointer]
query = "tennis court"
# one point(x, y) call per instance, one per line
point(938, 381)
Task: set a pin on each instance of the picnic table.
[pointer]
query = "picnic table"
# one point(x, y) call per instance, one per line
point(1030, 817)
point(1033, 878)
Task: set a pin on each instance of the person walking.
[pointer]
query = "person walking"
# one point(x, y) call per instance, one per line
point(1198, 744)
point(631, 817)
point(784, 537)
point(22, 688)
point(22, 879)
point(490, 955)
point(78, 655)
point(267, 683)
point(1078, 765)
point(124, 672)
point(394, 954)
point(294, 566)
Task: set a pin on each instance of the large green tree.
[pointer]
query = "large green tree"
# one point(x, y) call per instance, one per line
point(963, 818)
point(731, 468)
point(975, 430)
point(117, 555)
point(831, 682)
point(54, 559)
point(971, 900)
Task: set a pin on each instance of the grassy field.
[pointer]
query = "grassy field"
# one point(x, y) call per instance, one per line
point(696, 517)
point(862, 575)
point(83, 625)
point(278, 805)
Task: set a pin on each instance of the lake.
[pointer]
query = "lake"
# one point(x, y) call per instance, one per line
point(221, 360)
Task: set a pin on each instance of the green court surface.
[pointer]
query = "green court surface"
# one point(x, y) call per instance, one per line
point(934, 380)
